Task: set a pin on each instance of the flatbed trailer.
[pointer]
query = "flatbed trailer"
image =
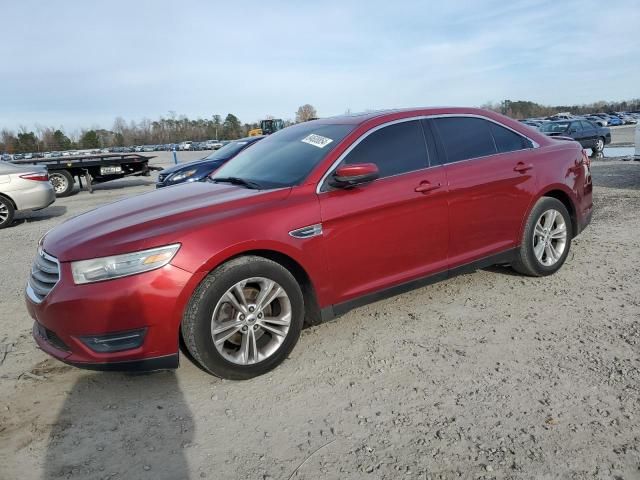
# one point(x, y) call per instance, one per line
point(93, 169)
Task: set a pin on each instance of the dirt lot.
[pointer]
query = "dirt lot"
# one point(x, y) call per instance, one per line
point(488, 375)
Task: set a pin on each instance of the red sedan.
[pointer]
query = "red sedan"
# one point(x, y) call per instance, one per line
point(314, 220)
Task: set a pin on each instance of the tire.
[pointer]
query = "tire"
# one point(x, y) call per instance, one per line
point(599, 146)
point(211, 309)
point(534, 257)
point(62, 182)
point(6, 212)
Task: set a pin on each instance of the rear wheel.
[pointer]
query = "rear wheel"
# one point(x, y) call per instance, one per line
point(546, 239)
point(6, 212)
point(599, 146)
point(244, 319)
point(62, 182)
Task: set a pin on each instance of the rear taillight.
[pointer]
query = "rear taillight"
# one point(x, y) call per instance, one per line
point(36, 177)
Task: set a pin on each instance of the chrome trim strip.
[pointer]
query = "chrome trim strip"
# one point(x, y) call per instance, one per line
point(408, 119)
point(307, 232)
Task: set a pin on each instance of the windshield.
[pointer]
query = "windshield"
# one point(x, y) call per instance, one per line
point(554, 127)
point(228, 151)
point(286, 157)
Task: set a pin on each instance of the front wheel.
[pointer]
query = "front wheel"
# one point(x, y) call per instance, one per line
point(546, 239)
point(244, 319)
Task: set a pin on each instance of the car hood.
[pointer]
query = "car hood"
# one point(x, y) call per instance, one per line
point(157, 218)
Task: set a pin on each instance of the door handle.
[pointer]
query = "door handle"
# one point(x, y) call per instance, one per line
point(522, 168)
point(426, 187)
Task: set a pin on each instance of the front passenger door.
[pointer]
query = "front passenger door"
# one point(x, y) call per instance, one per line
point(577, 133)
point(394, 229)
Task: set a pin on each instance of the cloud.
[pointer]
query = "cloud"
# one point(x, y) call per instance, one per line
point(79, 63)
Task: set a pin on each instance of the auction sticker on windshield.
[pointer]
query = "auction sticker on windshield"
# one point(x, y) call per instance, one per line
point(317, 140)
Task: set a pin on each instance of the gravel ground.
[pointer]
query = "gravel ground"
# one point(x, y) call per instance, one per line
point(487, 375)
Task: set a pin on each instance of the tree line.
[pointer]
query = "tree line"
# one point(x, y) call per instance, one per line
point(165, 130)
point(174, 129)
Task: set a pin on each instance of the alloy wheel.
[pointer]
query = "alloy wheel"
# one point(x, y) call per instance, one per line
point(549, 237)
point(251, 321)
point(599, 145)
point(4, 213)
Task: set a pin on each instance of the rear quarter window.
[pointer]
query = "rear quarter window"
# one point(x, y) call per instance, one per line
point(507, 140)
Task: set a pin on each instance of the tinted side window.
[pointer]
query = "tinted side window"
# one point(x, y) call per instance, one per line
point(507, 140)
point(576, 126)
point(587, 125)
point(394, 149)
point(464, 138)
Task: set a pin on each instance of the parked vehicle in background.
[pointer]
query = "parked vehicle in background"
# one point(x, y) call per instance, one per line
point(628, 119)
point(199, 170)
point(23, 188)
point(213, 144)
point(597, 120)
point(561, 116)
point(614, 121)
point(531, 123)
point(307, 224)
point(185, 145)
point(588, 134)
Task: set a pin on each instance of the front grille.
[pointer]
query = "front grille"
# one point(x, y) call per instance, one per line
point(51, 337)
point(45, 273)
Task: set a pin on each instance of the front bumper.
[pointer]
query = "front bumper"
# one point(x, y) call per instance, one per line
point(152, 302)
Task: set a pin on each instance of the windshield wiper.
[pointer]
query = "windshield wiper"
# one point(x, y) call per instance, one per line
point(237, 181)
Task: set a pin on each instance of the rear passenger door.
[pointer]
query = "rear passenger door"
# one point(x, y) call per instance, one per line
point(589, 134)
point(491, 179)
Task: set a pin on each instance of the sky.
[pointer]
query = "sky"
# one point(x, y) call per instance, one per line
point(80, 64)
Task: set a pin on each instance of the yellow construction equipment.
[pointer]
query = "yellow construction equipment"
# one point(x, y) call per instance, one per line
point(267, 127)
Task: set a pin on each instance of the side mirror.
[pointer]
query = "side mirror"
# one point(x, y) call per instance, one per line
point(349, 176)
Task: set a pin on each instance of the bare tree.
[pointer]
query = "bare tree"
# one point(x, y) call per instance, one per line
point(305, 113)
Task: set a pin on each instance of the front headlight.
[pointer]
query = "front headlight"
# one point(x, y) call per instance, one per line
point(106, 268)
point(182, 175)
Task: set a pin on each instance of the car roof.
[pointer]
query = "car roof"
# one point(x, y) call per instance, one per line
point(360, 118)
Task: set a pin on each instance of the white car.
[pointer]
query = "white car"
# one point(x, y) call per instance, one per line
point(185, 145)
point(23, 187)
